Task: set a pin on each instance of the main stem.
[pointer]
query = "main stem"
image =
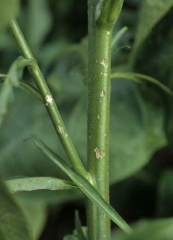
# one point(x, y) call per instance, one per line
point(98, 120)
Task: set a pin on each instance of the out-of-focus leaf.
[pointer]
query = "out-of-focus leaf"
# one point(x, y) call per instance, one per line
point(12, 80)
point(8, 11)
point(152, 12)
point(70, 72)
point(38, 24)
point(145, 125)
point(131, 128)
point(155, 56)
point(31, 89)
point(78, 132)
point(84, 185)
point(70, 237)
point(13, 224)
point(26, 86)
point(148, 229)
point(38, 183)
point(165, 195)
point(155, 61)
point(36, 215)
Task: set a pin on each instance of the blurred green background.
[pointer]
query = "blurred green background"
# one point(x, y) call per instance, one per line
point(141, 122)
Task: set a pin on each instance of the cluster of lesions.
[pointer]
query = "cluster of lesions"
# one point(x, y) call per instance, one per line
point(99, 153)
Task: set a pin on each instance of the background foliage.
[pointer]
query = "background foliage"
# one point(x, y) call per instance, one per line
point(141, 130)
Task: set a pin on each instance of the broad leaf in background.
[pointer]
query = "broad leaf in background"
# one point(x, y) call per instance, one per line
point(139, 110)
point(154, 58)
point(78, 131)
point(36, 215)
point(13, 224)
point(38, 21)
point(148, 230)
point(152, 11)
point(70, 72)
point(132, 138)
point(9, 10)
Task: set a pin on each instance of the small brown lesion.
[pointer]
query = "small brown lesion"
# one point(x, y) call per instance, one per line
point(37, 180)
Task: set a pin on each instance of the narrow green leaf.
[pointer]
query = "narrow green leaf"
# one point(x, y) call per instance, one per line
point(84, 185)
point(78, 227)
point(117, 37)
point(137, 77)
point(13, 224)
point(125, 76)
point(9, 10)
point(38, 183)
point(122, 47)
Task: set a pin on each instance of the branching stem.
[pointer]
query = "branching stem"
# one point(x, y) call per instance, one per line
point(48, 100)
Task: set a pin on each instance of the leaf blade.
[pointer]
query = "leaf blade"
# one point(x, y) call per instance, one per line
point(84, 185)
point(38, 183)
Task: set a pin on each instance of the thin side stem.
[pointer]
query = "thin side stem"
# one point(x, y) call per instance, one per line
point(48, 100)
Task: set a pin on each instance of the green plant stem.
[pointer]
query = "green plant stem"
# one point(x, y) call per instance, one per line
point(99, 85)
point(48, 100)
